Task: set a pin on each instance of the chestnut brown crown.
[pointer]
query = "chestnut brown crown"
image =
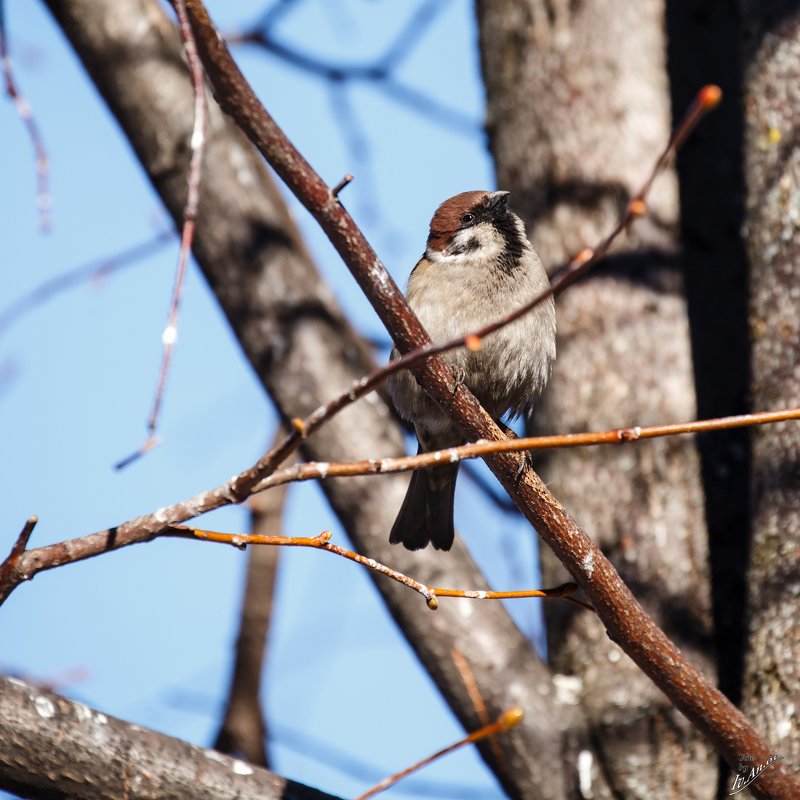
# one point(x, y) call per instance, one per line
point(449, 217)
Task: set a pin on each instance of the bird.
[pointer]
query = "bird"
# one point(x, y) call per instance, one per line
point(478, 265)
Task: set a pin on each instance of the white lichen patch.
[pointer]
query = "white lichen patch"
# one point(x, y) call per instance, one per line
point(44, 706)
point(588, 564)
point(585, 763)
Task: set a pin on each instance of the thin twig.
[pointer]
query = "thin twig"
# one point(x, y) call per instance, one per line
point(342, 183)
point(322, 542)
point(474, 692)
point(706, 100)
point(9, 566)
point(197, 144)
point(507, 720)
point(316, 470)
point(43, 197)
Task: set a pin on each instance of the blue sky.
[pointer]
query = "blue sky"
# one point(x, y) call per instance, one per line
point(146, 634)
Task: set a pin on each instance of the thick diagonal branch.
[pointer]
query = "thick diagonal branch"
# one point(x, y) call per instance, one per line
point(626, 621)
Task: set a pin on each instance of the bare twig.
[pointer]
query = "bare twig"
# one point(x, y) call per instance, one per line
point(315, 470)
point(322, 542)
point(347, 179)
point(624, 618)
point(95, 269)
point(8, 567)
point(507, 720)
point(338, 759)
point(43, 199)
point(474, 692)
point(197, 144)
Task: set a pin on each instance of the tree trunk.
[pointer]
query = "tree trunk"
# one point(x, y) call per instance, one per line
point(772, 172)
point(575, 120)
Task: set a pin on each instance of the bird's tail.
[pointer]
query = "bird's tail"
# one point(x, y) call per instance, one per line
point(426, 516)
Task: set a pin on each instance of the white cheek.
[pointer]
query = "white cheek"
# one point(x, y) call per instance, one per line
point(489, 246)
point(490, 241)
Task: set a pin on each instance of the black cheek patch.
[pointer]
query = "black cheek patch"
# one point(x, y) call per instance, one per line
point(514, 246)
point(470, 246)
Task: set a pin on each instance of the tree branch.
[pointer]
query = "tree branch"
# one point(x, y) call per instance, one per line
point(626, 621)
point(51, 747)
point(322, 542)
point(616, 436)
point(303, 349)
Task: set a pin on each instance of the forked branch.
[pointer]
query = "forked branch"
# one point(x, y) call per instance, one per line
point(322, 542)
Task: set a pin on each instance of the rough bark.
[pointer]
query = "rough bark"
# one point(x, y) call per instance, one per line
point(575, 120)
point(52, 748)
point(772, 233)
point(304, 352)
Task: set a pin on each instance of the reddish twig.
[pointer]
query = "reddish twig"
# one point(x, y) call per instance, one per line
point(342, 183)
point(322, 542)
point(43, 199)
point(9, 567)
point(474, 692)
point(507, 720)
point(315, 470)
point(197, 144)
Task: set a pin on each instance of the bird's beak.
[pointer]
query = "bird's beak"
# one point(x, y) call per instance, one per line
point(497, 202)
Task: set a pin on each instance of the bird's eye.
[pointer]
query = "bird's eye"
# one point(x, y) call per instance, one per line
point(467, 219)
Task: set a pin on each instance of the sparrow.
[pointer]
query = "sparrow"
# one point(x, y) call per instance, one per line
point(478, 265)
